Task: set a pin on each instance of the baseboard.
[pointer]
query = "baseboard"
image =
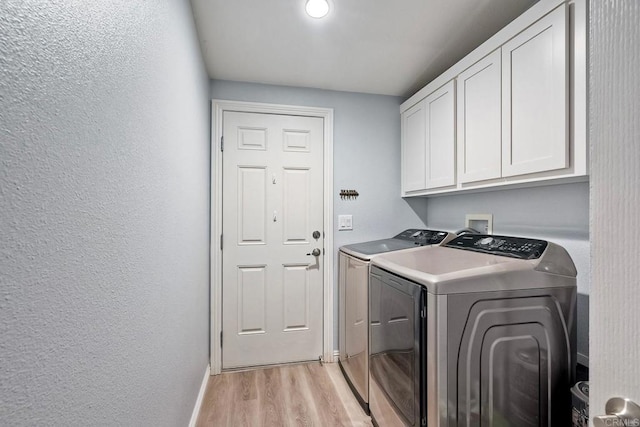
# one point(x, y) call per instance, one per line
point(203, 388)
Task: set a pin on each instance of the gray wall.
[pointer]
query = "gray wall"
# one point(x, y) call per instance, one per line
point(558, 213)
point(366, 156)
point(104, 213)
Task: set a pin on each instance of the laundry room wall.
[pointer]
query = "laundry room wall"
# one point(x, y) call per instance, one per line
point(558, 213)
point(614, 133)
point(104, 213)
point(366, 157)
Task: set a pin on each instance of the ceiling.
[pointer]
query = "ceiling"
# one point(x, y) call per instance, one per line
point(372, 46)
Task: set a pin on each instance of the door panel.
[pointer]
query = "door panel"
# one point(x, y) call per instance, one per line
point(535, 98)
point(272, 203)
point(296, 140)
point(252, 206)
point(414, 147)
point(252, 139)
point(296, 297)
point(479, 120)
point(441, 137)
point(251, 310)
point(296, 206)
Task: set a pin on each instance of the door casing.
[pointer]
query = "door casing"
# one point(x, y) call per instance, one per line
point(218, 107)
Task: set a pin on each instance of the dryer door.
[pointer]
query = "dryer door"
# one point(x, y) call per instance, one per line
point(395, 365)
point(354, 276)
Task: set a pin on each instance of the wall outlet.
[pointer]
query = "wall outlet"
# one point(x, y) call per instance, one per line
point(480, 222)
point(345, 222)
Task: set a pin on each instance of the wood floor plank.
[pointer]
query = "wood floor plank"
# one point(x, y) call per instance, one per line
point(217, 400)
point(298, 395)
point(355, 416)
point(272, 401)
point(331, 410)
point(298, 406)
point(248, 385)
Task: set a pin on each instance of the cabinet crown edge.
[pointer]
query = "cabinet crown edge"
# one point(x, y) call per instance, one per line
point(526, 19)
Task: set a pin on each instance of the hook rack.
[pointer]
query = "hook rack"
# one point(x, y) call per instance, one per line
point(349, 194)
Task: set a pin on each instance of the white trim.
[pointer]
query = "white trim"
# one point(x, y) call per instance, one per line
point(218, 108)
point(579, 89)
point(198, 405)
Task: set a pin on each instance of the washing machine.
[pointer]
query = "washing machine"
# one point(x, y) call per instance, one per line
point(480, 331)
point(353, 300)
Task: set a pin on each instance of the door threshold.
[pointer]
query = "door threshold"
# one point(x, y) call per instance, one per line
point(275, 365)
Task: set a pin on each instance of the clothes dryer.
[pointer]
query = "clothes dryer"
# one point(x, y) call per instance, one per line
point(354, 300)
point(479, 331)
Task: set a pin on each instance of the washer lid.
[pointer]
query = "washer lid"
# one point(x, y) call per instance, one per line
point(366, 250)
point(409, 238)
point(445, 270)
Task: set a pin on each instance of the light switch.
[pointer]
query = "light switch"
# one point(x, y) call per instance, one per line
point(345, 222)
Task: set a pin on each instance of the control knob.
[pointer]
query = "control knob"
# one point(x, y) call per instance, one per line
point(486, 241)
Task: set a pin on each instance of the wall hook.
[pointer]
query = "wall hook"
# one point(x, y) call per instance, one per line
point(348, 194)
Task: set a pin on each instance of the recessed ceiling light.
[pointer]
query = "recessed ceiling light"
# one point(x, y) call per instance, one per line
point(317, 8)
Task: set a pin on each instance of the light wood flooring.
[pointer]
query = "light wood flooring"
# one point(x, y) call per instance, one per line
point(307, 394)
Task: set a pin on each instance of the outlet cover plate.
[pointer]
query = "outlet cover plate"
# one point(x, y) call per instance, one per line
point(481, 222)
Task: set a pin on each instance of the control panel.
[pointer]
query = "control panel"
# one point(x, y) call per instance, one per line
point(515, 247)
point(422, 237)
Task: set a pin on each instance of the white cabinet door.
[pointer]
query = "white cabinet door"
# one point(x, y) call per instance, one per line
point(479, 120)
point(534, 101)
point(413, 148)
point(441, 137)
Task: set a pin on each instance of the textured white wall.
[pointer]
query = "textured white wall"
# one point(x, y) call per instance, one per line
point(104, 183)
point(615, 201)
point(366, 157)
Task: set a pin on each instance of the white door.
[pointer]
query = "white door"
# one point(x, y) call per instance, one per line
point(479, 120)
point(441, 137)
point(414, 145)
point(534, 109)
point(272, 203)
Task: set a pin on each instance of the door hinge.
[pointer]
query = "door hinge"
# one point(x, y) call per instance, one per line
point(222, 143)
point(220, 339)
point(423, 313)
point(424, 421)
point(221, 242)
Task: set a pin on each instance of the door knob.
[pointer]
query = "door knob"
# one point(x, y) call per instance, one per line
point(620, 412)
point(315, 252)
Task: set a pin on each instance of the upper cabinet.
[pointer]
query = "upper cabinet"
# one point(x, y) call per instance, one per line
point(479, 120)
point(428, 135)
point(534, 98)
point(441, 137)
point(414, 148)
point(519, 114)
